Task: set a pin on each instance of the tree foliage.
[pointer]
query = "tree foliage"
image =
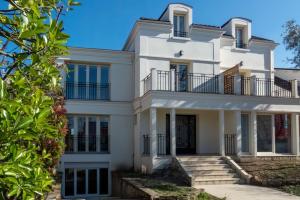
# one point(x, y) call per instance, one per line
point(32, 121)
point(291, 39)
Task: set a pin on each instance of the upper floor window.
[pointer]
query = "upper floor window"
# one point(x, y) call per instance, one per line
point(87, 82)
point(179, 26)
point(239, 35)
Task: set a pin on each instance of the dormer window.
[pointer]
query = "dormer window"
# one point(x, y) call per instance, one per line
point(179, 26)
point(239, 35)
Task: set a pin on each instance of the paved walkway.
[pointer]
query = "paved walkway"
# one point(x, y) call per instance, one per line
point(247, 192)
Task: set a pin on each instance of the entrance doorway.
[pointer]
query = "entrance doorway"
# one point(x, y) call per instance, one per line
point(185, 134)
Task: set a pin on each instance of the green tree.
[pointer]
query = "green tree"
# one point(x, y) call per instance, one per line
point(32, 121)
point(291, 40)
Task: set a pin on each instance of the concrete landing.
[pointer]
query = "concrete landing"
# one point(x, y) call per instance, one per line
point(246, 192)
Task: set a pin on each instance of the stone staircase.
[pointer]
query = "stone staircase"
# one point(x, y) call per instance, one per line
point(208, 170)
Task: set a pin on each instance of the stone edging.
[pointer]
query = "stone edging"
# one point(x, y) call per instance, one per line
point(242, 173)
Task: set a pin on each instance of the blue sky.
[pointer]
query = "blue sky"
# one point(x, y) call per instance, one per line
point(107, 23)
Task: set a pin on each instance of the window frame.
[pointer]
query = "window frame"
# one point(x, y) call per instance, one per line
point(176, 27)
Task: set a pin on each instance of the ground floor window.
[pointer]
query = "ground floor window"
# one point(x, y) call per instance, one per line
point(245, 123)
point(274, 133)
point(86, 181)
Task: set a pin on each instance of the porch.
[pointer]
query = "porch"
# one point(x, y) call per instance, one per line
point(167, 133)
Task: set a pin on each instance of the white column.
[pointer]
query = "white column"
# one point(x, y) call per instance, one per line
point(273, 134)
point(237, 85)
point(172, 80)
point(221, 133)
point(253, 86)
point(153, 132)
point(153, 79)
point(238, 130)
point(295, 89)
point(295, 133)
point(173, 131)
point(253, 124)
point(221, 83)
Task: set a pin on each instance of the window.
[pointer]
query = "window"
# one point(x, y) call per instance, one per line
point(181, 80)
point(87, 82)
point(264, 133)
point(93, 138)
point(91, 181)
point(283, 133)
point(179, 26)
point(239, 34)
point(245, 132)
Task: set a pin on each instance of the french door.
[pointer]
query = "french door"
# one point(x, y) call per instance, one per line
point(185, 134)
point(181, 80)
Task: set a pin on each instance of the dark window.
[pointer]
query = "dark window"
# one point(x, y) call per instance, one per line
point(69, 182)
point(264, 133)
point(93, 82)
point(239, 38)
point(283, 133)
point(81, 138)
point(103, 181)
point(70, 82)
point(104, 136)
point(104, 89)
point(69, 139)
point(81, 181)
point(92, 181)
point(92, 134)
point(82, 81)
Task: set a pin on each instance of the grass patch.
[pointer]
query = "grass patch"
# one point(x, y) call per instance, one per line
point(206, 196)
point(291, 189)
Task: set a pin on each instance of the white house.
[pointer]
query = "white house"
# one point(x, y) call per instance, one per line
point(176, 88)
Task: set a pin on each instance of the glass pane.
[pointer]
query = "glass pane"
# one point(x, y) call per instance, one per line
point(81, 181)
point(245, 133)
point(283, 133)
point(175, 25)
point(69, 182)
point(81, 134)
point(93, 82)
point(104, 86)
point(104, 136)
point(69, 139)
point(92, 181)
point(181, 25)
point(92, 134)
point(103, 181)
point(182, 78)
point(81, 81)
point(264, 133)
point(70, 82)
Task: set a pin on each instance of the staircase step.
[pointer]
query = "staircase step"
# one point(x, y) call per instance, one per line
point(193, 162)
point(211, 172)
point(216, 167)
point(199, 158)
point(216, 177)
point(217, 181)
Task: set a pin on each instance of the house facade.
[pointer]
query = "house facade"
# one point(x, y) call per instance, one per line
point(176, 88)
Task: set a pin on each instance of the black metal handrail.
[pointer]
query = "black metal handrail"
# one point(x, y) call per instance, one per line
point(146, 145)
point(163, 144)
point(203, 83)
point(163, 80)
point(275, 88)
point(230, 144)
point(147, 83)
point(180, 34)
point(246, 86)
point(87, 143)
point(87, 91)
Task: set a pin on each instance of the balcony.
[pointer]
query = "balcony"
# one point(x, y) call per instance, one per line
point(86, 144)
point(219, 84)
point(87, 91)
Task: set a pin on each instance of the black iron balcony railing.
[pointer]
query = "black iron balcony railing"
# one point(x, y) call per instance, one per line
point(241, 45)
point(87, 91)
point(163, 144)
point(91, 144)
point(146, 145)
point(229, 141)
point(205, 83)
point(180, 34)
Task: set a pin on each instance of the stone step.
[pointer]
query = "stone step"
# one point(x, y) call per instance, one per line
point(198, 158)
point(217, 181)
point(216, 177)
point(211, 172)
point(206, 167)
point(193, 162)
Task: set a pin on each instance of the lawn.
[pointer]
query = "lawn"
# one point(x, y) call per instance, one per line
point(291, 189)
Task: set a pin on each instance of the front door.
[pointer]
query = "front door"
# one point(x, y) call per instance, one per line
point(185, 134)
